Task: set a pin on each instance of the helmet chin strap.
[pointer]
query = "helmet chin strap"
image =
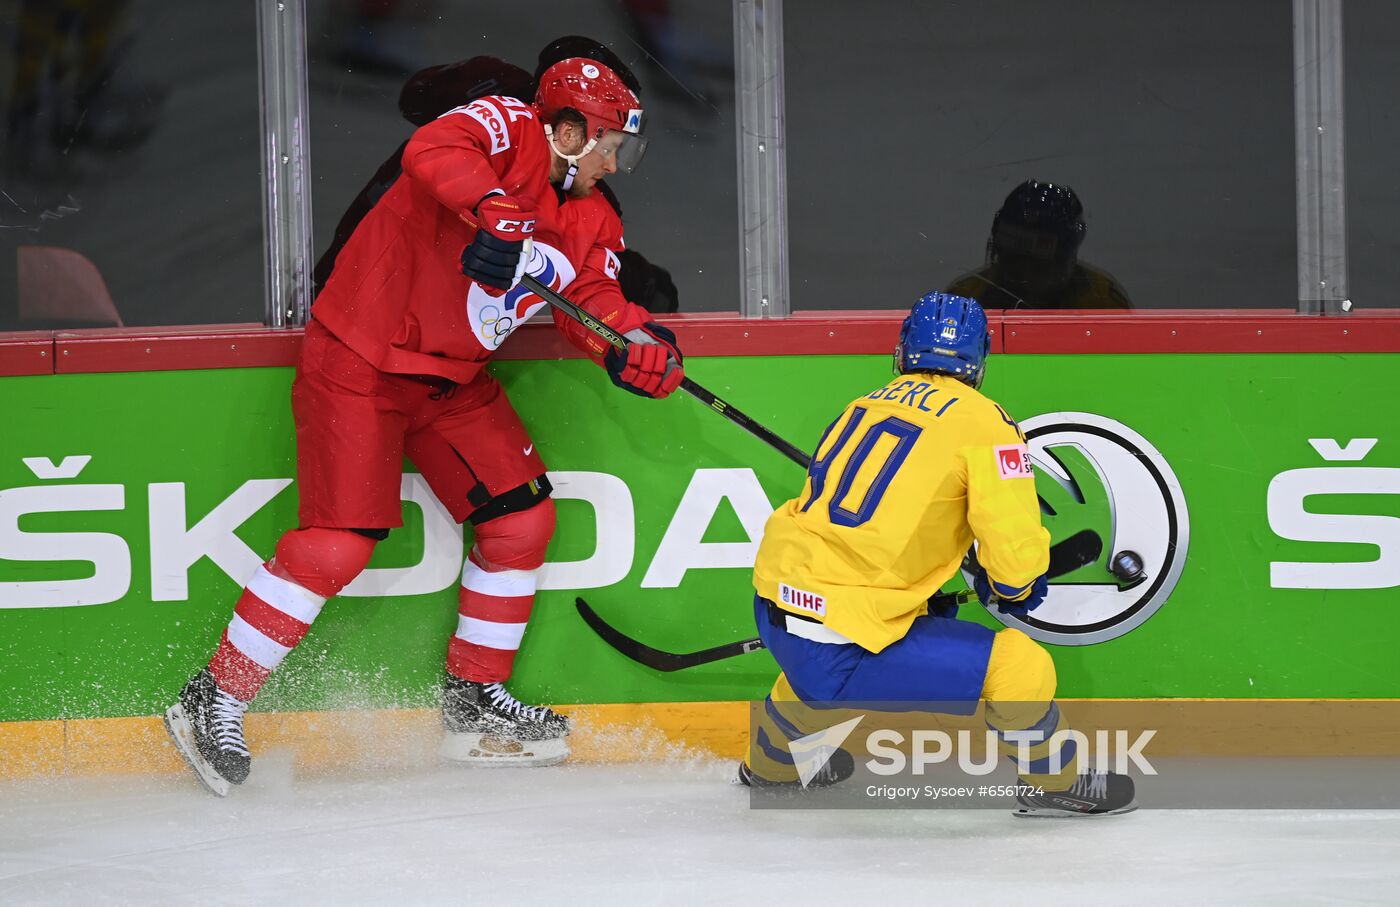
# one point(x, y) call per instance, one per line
point(571, 159)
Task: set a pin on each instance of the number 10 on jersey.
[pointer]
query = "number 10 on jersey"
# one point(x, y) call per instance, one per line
point(904, 435)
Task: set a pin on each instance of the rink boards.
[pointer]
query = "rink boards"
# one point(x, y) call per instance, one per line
point(1263, 487)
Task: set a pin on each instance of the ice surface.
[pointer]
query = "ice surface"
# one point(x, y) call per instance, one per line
point(671, 833)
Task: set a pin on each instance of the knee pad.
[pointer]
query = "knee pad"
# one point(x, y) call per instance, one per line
point(1019, 670)
point(521, 497)
point(323, 561)
point(516, 541)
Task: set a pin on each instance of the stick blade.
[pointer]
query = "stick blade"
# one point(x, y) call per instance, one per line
point(656, 659)
point(1084, 547)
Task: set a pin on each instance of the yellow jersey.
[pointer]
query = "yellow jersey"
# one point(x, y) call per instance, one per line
point(900, 485)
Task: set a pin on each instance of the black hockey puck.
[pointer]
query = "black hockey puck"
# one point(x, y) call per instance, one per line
point(1126, 566)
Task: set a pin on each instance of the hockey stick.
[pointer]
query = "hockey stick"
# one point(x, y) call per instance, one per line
point(1084, 547)
point(656, 659)
point(570, 308)
point(1079, 550)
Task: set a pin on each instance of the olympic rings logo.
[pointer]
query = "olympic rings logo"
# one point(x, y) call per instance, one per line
point(495, 326)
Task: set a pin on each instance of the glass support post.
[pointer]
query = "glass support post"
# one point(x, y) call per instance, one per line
point(1319, 124)
point(763, 240)
point(282, 83)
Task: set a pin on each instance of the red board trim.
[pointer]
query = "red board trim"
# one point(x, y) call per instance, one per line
point(175, 348)
point(29, 353)
point(712, 334)
point(1269, 331)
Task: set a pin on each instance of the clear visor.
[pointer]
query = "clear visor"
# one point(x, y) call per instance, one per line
point(624, 148)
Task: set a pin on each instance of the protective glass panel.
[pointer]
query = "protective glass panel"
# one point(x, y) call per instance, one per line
point(910, 125)
point(1372, 135)
point(370, 85)
point(129, 181)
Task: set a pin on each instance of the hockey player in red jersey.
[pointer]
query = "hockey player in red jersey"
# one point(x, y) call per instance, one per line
point(393, 365)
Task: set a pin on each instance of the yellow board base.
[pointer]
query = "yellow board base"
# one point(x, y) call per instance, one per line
point(398, 738)
point(313, 742)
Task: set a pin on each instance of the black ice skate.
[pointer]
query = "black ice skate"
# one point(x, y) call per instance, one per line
point(1092, 794)
point(207, 727)
point(838, 768)
point(487, 726)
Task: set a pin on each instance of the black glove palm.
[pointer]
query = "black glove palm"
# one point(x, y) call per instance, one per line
point(492, 261)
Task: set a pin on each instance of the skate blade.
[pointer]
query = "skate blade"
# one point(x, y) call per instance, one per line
point(1032, 812)
point(177, 724)
point(494, 751)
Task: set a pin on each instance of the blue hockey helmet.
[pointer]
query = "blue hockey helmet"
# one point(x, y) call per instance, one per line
point(946, 334)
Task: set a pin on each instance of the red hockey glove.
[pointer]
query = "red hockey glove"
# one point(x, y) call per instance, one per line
point(506, 217)
point(651, 367)
point(495, 258)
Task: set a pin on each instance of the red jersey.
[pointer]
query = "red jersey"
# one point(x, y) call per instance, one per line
point(397, 295)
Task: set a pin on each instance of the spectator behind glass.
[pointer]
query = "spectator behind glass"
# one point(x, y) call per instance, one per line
point(1032, 257)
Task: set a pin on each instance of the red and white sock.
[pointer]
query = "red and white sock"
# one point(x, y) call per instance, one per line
point(494, 607)
point(272, 616)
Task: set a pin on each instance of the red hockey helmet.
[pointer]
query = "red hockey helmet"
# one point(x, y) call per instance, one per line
point(597, 94)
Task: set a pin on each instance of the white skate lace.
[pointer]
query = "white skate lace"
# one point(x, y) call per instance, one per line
point(507, 703)
point(228, 722)
point(1091, 784)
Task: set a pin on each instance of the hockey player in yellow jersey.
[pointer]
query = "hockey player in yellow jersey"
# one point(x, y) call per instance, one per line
point(901, 484)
